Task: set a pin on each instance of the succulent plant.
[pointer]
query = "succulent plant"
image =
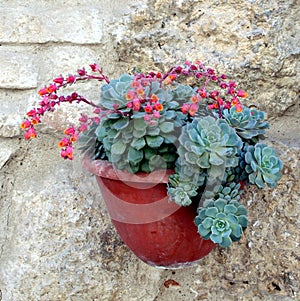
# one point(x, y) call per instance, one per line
point(207, 147)
point(206, 143)
point(129, 141)
point(114, 93)
point(181, 190)
point(188, 118)
point(230, 191)
point(221, 221)
point(249, 123)
point(182, 92)
point(263, 165)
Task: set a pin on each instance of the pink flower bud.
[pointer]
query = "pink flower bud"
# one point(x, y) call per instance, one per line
point(69, 131)
point(83, 118)
point(96, 119)
point(94, 67)
point(31, 113)
point(156, 114)
point(58, 80)
point(242, 93)
point(97, 111)
point(71, 79)
point(81, 72)
point(83, 128)
point(147, 117)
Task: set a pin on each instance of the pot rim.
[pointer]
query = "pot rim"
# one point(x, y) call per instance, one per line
point(106, 169)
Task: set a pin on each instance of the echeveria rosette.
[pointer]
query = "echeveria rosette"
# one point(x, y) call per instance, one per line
point(181, 192)
point(249, 123)
point(207, 147)
point(114, 93)
point(221, 221)
point(209, 144)
point(263, 165)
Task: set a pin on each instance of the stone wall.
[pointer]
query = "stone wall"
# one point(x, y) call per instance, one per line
point(56, 240)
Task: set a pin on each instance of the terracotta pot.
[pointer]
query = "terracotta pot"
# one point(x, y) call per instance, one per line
point(159, 232)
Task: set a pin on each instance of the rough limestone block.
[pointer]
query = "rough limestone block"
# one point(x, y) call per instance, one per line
point(43, 22)
point(18, 69)
point(10, 125)
point(255, 42)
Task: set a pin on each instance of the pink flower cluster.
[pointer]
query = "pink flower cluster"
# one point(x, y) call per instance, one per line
point(138, 101)
point(224, 98)
point(50, 100)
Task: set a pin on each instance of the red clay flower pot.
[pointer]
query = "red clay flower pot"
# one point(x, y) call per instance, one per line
point(159, 232)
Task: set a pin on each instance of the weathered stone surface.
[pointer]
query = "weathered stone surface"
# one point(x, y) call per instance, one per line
point(56, 240)
point(44, 21)
point(253, 41)
point(18, 70)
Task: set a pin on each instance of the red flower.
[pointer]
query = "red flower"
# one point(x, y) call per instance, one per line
point(25, 124)
point(214, 94)
point(69, 131)
point(242, 94)
point(202, 93)
point(136, 104)
point(148, 109)
point(185, 108)
point(193, 109)
point(130, 95)
point(52, 88)
point(195, 98)
point(63, 142)
point(158, 75)
point(43, 91)
point(239, 107)
point(81, 72)
point(74, 138)
point(154, 98)
point(31, 133)
point(158, 107)
point(67, 153)
point(35, 120)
